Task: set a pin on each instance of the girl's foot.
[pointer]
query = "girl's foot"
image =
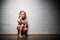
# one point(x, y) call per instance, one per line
point(20, 36)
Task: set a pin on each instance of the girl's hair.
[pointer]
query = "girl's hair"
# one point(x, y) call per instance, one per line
point(24, 14)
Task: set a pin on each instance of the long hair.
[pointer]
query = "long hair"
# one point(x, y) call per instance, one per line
point(24, 14)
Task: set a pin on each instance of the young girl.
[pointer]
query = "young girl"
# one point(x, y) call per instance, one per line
point(22, 24)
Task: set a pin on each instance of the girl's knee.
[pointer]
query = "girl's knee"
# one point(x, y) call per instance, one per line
point(25, 29)
point(18, 27)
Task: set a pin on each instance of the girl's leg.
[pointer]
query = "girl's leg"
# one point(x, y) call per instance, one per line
point(21, 27)
point(25, 31)
point(25, 28)
point(18, 29)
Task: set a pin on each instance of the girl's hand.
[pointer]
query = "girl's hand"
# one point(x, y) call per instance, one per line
point(18, 20)
point(21, 20)
point(20, 17)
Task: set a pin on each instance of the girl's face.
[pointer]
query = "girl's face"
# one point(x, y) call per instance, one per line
point(22, 14)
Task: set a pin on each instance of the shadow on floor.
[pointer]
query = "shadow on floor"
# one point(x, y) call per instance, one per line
point(24, 38)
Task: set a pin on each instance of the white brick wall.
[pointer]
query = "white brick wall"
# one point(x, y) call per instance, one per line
point(41, 16)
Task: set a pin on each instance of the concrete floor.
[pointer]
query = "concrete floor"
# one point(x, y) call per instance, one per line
point(30, 37)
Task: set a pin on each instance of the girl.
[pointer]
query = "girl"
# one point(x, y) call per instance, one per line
point(22, 24)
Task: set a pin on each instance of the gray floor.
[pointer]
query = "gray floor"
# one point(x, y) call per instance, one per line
point(30, 37)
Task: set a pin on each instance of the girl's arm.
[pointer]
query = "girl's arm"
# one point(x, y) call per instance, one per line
point(18, 20)
point(26, 24)
point(21, 20)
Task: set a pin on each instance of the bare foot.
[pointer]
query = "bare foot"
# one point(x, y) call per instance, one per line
point(20, 36)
